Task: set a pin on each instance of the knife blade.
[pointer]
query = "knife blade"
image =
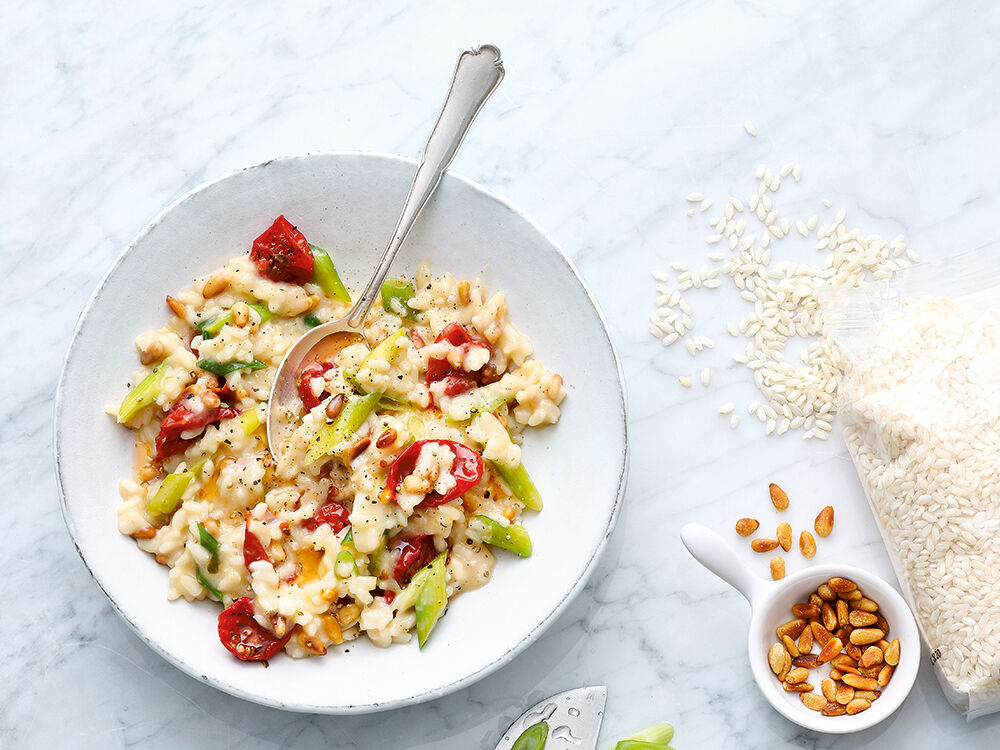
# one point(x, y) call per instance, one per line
point(574, 718)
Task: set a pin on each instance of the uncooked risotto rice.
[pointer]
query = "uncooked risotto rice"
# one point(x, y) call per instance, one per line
point(401, 475)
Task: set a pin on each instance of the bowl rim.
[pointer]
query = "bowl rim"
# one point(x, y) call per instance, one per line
point(427, 695)
point(880, 710)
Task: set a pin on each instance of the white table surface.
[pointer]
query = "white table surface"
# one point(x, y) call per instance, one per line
point(609, 115)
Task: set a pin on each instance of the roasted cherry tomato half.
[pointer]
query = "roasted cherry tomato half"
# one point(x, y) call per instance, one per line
point(456, 381)
point(243, 635)
point(182, 418)
point(253, 550)
point(411, 555)
point(282, 253)
point(332, 514)
point(306, 378)
point(467, 470)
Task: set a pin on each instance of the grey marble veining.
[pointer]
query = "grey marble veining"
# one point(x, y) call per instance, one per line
point(609, 115)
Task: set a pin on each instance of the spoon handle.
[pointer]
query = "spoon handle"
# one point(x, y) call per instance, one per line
point(477, 73)
point(714, 553)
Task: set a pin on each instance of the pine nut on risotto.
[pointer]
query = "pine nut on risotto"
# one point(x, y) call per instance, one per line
point(401, 474)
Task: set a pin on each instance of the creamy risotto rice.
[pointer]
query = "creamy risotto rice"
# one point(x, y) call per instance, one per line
point(400, 479)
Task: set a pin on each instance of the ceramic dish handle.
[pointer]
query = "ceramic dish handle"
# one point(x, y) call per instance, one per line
point(477, 73)
point(710, 550)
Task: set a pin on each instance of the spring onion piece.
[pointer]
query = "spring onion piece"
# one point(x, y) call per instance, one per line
point(325, 276)
point(656, 737)
point(211, 327)
point(520, 484)
point(211, 544)
point(206, 584)
point(486, 398)
point(345, 564)
point(250, 420)
point(311, 320)
point(408, 597)
point(532, 738)
point(171, 490)
point(262, 310)
point(432, 599)
point(351, 417)
point(375, 558)
point(143, 394)
point(396, 295)
point(224, 368)
point(387, 349)
point(513, 537)
point(169, 495)
point(416, 427)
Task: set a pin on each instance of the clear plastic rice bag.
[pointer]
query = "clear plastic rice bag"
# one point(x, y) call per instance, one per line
point(920, 411)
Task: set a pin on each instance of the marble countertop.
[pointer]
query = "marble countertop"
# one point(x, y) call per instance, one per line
point(610, 114)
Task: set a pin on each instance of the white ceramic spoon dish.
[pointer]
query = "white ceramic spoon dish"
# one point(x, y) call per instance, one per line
point(770, 606)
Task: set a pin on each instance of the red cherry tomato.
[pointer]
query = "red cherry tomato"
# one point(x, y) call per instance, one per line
point(182, 418)
point(283, 254)
point(456, 381)
point(253, 550)
point(332, 514)
point(467, 470)
point(411, 555)
point(243, 635)
point(306, 377)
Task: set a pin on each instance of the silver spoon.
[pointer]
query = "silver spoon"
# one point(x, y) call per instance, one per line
point(477, 73)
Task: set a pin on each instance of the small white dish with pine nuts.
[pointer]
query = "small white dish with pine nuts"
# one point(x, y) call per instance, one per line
point(794, 672)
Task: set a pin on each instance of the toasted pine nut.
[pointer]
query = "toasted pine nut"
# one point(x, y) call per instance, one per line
point(841, 585)
point(348, 615)
point(813, 701)
point(215, 286)
point(279, 625)
point(359, 447)
point(778, 496)
point(414, 484)
point(211, 526)
point(161, 558)
point(176, 307)
point(147, 472)
point(334, 405)
point(210, 399)
point(310, 644)
point(385, 496)
point(797, 675)
point(777, 568)
point(241, 314)
point(508, 513)
point(790, 646)
point(463, 292)
point(807, 544)
point(554, 387)
point(824, 521)
point(763, 545)
point(152, 353)
point(147, 532)
point(386, 439)
point(332, 628)
point(746, 526)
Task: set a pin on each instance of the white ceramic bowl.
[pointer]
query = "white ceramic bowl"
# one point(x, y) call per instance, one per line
point(770, 605)
point(348, 203)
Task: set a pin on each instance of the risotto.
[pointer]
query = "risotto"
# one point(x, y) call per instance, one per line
point(401, 474)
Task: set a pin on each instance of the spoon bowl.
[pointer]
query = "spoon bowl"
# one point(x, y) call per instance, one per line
point(770, 606)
